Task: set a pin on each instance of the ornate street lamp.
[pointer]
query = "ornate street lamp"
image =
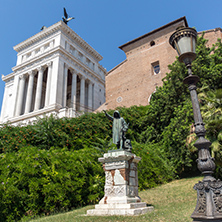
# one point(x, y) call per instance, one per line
point(209, 190)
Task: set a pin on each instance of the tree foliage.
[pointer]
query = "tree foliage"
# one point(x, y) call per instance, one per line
point(170, 116)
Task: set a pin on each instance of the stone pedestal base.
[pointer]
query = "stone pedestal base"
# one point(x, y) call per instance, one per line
point(121, 186)
point(120, 209)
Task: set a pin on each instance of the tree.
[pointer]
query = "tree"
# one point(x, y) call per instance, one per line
point(169, 117)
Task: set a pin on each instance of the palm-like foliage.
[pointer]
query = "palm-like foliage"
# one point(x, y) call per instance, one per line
point(212, 115)
point(212, 103)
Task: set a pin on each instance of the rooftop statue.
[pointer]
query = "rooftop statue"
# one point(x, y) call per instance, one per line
point(43, 27)
point(119, 129)
point(66, 18)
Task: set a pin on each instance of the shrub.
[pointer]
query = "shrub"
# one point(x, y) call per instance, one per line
point(154, 168)
point(35, 181)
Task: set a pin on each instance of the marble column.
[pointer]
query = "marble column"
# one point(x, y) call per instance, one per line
point(82, 94)
point(49, 76)
point(39, 89)
point(73, 92)
point(29, 92)
point(65, 79)
point(90, 97)
point(93, 96)
point(20, 94)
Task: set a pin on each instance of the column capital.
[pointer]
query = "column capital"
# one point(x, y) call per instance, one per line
point(82, 77)
point(73, 71)
point(66, 65)
point(41, 68)
point(31, 72)
point(88, 81)
point(22, 76)
point(49, 63)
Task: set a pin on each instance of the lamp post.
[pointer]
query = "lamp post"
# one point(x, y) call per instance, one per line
point(209, 190)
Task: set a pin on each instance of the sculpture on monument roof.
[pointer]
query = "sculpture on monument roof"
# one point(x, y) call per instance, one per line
point(66, 17)
point(119, 129)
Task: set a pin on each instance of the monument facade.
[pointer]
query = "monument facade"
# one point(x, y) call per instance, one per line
point(57, 72)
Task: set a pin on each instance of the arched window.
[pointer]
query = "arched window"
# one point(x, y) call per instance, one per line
point(150, 97)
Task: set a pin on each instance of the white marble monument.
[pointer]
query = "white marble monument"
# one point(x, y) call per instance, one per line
point(57, 72)
point(121, 186)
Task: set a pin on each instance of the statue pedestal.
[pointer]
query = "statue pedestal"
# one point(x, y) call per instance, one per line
point(121, 186)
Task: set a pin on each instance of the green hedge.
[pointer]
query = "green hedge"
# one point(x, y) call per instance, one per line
point(53, 166)
point(74, 134)
point(35, 181)
point(154, 168)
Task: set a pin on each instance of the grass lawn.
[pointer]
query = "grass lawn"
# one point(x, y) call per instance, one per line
point(172, 202)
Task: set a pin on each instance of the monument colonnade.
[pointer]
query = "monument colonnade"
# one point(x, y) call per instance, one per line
point(82, 90)
point(30, 96)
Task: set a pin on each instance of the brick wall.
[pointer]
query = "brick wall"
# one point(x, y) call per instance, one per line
point(133, 81)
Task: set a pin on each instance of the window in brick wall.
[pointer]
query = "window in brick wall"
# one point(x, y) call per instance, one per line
point(156, 68)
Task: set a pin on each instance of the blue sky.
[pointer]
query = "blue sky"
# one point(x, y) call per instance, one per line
point(104, 24)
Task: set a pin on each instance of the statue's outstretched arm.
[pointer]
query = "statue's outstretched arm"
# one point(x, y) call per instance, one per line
point(107, 115)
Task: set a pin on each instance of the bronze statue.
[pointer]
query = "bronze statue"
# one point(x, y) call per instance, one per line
point(119, 129)
point(66, 18)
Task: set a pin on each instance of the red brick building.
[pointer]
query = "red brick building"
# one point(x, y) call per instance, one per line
point(133, 81)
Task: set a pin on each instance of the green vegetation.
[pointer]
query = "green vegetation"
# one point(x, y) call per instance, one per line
point(172, 202)
point(39, 178)
point(170, 113)
point(52, 165)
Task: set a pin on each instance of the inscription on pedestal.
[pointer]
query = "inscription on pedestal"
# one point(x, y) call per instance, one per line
point(116, 165)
